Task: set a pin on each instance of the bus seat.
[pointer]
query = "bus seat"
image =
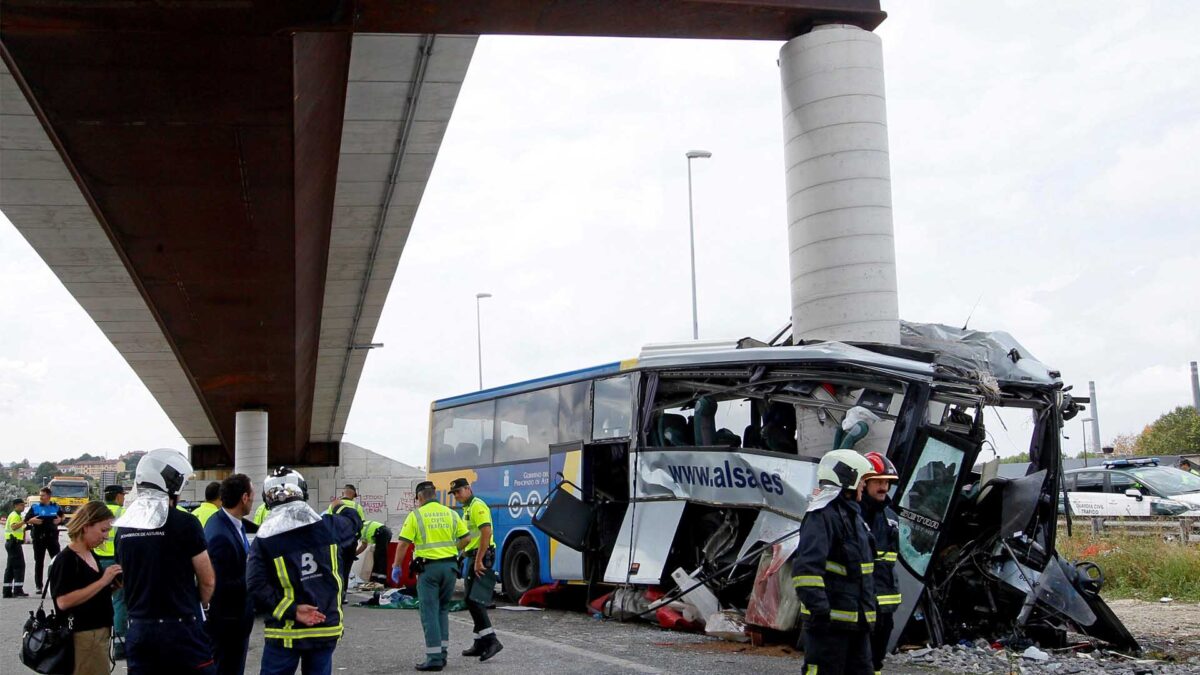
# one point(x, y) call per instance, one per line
point(726, 437)
point(466, 454)
point(673, 430)
point(779, 428)
point(705, 419)
point(752, 438)
point(515, 446)
point(487, 447)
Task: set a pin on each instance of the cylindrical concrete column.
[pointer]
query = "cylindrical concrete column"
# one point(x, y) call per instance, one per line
point(250, 444)
point(839, 206)
point(1095, 419)
point(1195, 388)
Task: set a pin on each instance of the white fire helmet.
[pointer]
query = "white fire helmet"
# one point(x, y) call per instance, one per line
point(163, 469)
point(844, 468)
point(284, 485)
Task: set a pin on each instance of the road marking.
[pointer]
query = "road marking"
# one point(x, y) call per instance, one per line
point(577, 651)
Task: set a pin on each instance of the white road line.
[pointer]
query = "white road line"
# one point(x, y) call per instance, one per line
point(577, 651)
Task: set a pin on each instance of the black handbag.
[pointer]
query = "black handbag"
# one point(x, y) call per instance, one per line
point(48, 645)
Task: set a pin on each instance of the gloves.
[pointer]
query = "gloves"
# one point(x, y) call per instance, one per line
point(395, 574)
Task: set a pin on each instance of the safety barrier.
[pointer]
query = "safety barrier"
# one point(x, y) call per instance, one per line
point(1184, 529)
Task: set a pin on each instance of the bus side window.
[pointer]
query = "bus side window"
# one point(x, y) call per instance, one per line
point(526, 425)
point(612, 408)
point(573, 412)
point(462, 436)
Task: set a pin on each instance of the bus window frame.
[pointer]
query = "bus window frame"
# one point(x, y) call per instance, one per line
point(632, 407)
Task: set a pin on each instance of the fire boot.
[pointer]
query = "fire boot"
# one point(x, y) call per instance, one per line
point(491, 647)
point(476, 648)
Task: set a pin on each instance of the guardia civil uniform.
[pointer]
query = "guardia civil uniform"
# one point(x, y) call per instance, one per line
point(477, 515)
point(106, 556)
point(434, 530)
point(14, 539)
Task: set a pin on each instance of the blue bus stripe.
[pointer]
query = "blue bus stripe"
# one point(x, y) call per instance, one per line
point(529, 385)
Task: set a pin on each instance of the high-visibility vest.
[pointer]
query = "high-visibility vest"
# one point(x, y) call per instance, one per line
point(434, 529)
point(10, 532)
point(260, 514)
point(348, 502)
point(369, 528)
point(108, 549)
point(476, 513)
point(204, 512)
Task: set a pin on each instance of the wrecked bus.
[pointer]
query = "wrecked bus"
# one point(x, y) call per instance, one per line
point(688, 470)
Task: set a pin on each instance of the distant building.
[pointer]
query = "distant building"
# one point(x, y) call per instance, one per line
point(27, 473)
point(93, 468)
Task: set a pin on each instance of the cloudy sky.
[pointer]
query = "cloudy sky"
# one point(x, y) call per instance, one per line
point(1043, 164)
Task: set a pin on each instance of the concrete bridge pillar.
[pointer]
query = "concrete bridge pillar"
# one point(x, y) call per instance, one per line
point(250, 445)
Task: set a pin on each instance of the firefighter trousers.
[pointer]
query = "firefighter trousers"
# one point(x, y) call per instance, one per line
point(840, 652)
point(879, 639)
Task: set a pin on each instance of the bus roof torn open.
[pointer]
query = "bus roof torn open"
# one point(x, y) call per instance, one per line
point(689, 469)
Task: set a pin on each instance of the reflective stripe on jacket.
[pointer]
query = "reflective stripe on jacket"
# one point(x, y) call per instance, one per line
point(14, 519)
point(434, 530)
point(833, 571)
point(300, 567)
point(885, 532)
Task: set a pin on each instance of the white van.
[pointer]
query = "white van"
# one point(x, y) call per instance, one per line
point(1132, 487)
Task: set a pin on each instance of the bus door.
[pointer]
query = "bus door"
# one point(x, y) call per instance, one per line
point(582, 534)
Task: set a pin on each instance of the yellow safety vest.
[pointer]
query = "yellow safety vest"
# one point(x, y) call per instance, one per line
point(476, 514)
point(350, 502)
point(204, 512)
point(434, 529)
point(108, 549)
point(260, 514)
point(14, 519)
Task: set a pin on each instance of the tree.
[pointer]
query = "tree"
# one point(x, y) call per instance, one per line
point(1174, 433)
point(46, 470)
point(1015, 459)
point(1124, 444)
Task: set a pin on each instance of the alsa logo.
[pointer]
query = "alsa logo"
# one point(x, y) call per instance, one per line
point(726, 477)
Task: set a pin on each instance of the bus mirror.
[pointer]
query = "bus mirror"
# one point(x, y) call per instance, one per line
point(1135, 493)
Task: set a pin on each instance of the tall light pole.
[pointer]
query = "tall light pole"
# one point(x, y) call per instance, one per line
point(694, 154)
point(479, 334)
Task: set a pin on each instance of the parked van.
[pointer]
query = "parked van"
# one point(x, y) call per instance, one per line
point(1132, 487)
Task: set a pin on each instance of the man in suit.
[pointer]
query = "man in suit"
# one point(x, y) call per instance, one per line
point(231, 616)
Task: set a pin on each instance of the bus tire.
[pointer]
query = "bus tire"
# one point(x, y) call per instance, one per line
point(519, 571)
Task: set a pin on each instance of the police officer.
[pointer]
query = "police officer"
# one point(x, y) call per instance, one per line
point(211, 503)
point(885, 531)
point(14, 539)
point(833, 570)
point(293, 572)
point(114, 499)
point(44, 517)
point(478, 557)
point(377, 534)
point(1185, 464)
point(349, 498)
point(436, 534)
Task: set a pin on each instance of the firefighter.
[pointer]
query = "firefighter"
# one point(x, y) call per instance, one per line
point(885, 531)
point(833, 570)
point(437, 535)
point(293, 572)
point(478, 558)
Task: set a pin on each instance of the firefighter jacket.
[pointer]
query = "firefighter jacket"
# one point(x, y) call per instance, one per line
point(301, 566)
point(833, 571)
point(885, 531)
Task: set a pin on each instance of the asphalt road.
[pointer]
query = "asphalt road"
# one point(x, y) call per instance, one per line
point(389, 641)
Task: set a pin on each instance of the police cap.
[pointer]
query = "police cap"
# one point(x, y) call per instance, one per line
point(459, 483)
point(424, 485)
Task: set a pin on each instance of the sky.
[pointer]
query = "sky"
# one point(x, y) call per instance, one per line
point(1043, 172)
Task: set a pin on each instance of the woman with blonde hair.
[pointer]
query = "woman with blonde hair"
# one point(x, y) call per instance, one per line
point(83, 592)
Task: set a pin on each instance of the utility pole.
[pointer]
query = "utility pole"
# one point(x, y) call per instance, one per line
point(1195, 388)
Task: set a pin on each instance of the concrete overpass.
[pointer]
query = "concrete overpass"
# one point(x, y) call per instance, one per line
point(226, 188)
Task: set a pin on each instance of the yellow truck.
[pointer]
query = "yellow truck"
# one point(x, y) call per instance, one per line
point(70, 492)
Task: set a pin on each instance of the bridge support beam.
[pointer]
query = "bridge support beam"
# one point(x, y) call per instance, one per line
point(839, 203)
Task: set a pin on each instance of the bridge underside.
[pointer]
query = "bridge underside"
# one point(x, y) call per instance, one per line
point(226, 188)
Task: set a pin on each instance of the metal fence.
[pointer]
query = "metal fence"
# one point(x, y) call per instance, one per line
point(1185, 530)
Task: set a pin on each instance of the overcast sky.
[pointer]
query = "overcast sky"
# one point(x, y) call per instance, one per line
point(1043, 163)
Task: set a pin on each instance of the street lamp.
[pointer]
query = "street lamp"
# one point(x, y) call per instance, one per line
point(693, 154)
point(479, 334)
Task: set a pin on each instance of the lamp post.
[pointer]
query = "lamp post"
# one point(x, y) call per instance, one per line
point(479, 334)
point(1084, 423)
point(693, 154)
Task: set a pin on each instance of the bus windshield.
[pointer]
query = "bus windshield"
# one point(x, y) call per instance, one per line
point(70, 489)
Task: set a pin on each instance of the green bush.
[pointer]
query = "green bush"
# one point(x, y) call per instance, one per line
point(1146, 568)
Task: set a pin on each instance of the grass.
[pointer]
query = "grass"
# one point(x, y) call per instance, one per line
point(1145, 568)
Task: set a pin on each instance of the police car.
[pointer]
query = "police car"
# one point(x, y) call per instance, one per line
point(1132, 487)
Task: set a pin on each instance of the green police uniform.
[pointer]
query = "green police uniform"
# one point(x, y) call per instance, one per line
point(106, 557)
point(14, 570)
point(434, 530)
point(477, 515)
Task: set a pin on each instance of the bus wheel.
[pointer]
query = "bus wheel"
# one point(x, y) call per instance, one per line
point(519, 570)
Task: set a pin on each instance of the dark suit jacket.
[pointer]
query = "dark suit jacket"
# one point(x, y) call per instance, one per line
point(230, 600)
